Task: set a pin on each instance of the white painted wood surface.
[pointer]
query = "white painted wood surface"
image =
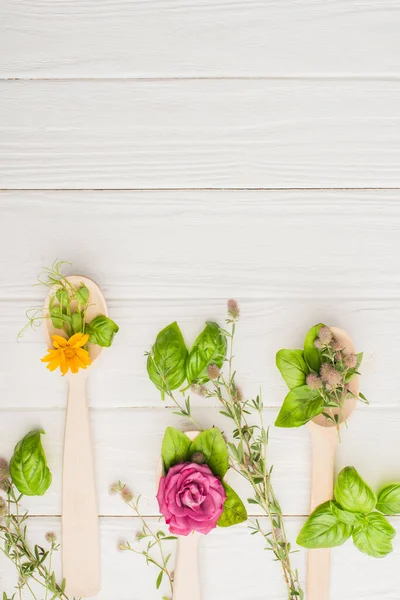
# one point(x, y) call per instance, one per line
point(124, 118)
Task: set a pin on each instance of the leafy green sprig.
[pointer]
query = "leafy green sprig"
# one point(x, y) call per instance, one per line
point(68, 307)
point(318, 378)
point(355, 512)
point(154, 541)
point(33, 565)
point(169, 365)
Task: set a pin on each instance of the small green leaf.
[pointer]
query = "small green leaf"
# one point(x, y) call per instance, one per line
point(211, 443)
point(159, 579)
point(234, 510)
point(77, 322)
point(62, 296)
point(208, 349)
point(166, 364)
point(312, 355)
point(300, 406)
point(373, 535)
point(101, 331)
point(389, 499)
point(352, 493)
point(323, 529)
point(82, 294)
point(56, 317)
point(175, 448)
point(28, 466)
point(292, 367)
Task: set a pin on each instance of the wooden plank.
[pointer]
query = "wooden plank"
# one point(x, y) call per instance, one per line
point(174, 38)
point(201, 244)
point(120, 379)
point(233, 565)
point(127, 445)
point(157, 134)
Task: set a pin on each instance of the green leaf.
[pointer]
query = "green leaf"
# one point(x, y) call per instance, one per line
point(159, 579)
point(312, 355)
point(300, 406)
point(373, 535)
point(234, 510)
point(292, 366)
point(166, 364)
point(389, 499)
point(82, 294)
point(102, 331)
point(62, 296)
point(77, 322)
point(323, 529)
point(353, 493)
point(175, 447)
point(211, 443)
point(57, 317)
point(208, 349)
point(28, 466)
point(343, 516)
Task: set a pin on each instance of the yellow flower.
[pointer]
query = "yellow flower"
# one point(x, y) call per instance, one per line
point(68, 354)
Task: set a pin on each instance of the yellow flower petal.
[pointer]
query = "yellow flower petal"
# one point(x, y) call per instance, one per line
point(59, 342)
point(78, 340)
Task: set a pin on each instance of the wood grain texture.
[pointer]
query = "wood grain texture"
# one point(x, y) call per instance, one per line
point(229, 559)
point(127, 444)
point(196, 134)
point(175, 38)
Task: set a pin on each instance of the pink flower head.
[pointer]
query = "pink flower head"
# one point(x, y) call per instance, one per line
point(334, 379)
point(335, 345)
point(350, 361)
point(191, 498)
point(325, 371)
point(325, 335)
point(313, 381)
point(233, 309)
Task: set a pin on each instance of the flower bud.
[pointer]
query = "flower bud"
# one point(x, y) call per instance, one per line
point(198, 458)
point(50, 537)
point(3, 508)
point(213, 371)
point(198, 389)
point(4, 469)
point(313, 381)
point(350, 361)
point(233, 309)
point(325, 335)
point(126, 494)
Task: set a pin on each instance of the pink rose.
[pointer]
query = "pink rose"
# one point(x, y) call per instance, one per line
point(191, 498)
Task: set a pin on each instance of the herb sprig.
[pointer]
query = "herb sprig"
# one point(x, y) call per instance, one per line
point(169, 363)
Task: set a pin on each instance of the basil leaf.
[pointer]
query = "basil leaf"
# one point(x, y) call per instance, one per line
point(292, 367)
point(82, 294)
point(166, 364)
point(57, 317)
point(300, 406)
point(343, 516)
point(175, 447)
point(312, 355)
point(209, 348)
point(389, 499)
point(353, 493)
point(373, 535)
point(28, 466)
point(323, 529)
point(77, 322)
point(212, 445)
point(102, 331)
point(234, 510)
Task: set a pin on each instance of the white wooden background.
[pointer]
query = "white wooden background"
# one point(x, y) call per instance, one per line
point(181, 152)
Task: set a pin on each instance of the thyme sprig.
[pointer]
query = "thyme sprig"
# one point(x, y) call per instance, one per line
point(32, 564)
point(154, 552)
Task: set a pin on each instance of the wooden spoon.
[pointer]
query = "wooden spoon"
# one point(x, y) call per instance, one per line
point(80, 521)
point(186, 573)
point(324, 437)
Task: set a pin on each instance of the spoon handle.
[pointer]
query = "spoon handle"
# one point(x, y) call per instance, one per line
point(80, 523)
point(186, 577)
point(324, 443)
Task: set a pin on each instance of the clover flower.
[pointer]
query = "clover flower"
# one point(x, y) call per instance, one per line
point(313, 381)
